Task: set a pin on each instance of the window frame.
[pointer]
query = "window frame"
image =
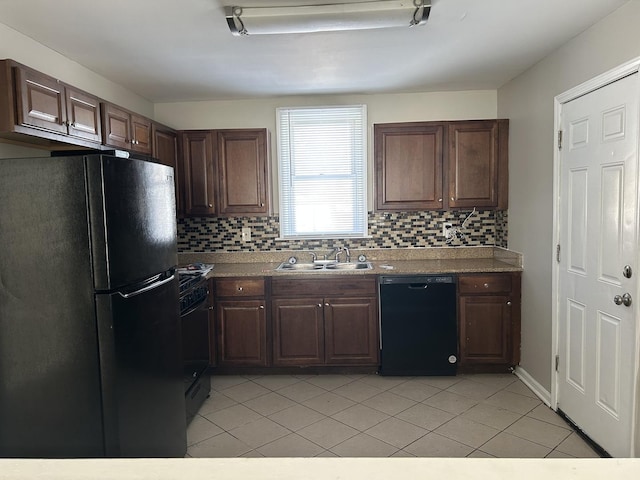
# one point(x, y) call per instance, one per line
point(359, 174)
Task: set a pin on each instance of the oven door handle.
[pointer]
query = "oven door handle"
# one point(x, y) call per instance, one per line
point(195, 307)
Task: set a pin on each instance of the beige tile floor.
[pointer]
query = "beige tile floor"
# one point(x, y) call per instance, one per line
point(374, 416)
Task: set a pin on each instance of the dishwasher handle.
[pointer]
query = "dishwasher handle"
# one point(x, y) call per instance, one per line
point(418, 286)
point(419, 280)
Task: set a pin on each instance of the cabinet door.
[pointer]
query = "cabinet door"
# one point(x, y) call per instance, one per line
point(165, 149)
point(116, 126)
point(473, 164)
point(83, 115)
point(242, 171)
point(40, 100)
point(298, 331)
point(409, 161)
point(485, 329)
point(199, 174)
point(140, 134)
point(242, 337)
point(351, 331)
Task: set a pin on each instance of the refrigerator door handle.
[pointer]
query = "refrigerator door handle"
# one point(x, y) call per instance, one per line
point(147, 288)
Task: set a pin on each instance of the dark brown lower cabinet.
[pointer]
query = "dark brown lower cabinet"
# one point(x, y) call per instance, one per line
point(241, 322)
point(241, 332)
point(351, 331)
point(298, 337)
point(329, 328)
point(489, 321)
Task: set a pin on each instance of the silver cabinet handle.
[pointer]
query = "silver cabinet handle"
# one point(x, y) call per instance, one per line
point(261, 307)
point(320, 305)
point(486, 285)
point(509, 303)
point(240, 289)
point(327, 304)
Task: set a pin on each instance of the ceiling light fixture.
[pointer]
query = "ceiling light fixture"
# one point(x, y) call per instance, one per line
point(327, 17)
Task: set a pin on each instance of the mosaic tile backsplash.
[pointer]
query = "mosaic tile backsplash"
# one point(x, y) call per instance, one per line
point(386, 230)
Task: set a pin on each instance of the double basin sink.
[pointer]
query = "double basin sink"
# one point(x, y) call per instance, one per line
point(322, 267)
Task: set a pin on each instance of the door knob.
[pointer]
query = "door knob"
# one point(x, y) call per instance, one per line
point(623, 300)
point(626, 271)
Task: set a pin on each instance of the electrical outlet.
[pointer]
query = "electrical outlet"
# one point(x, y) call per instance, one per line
point(446, 229)
point(246, 234)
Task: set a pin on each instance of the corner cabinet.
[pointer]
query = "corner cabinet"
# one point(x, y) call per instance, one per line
point(489, 321)
point(325, 322)
point(241, 322)
point(165, 150)
point(441, 165)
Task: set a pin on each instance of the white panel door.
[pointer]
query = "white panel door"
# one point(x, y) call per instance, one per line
point(598, 238)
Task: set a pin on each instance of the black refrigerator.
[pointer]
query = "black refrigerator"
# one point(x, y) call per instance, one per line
point(90, 345)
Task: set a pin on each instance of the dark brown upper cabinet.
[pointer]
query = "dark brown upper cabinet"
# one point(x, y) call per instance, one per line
point(124, 129)
point(165, 150)
point(226, 172)
point(408, 159)
point(242, 172)
point(36, 107)
point(476, 161)
point(441, 165)
point(198, 167)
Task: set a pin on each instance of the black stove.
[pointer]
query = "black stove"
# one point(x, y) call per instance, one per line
point(194, 313)
point(193, 291)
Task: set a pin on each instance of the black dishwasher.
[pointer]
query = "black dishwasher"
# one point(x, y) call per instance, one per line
point(418, 332)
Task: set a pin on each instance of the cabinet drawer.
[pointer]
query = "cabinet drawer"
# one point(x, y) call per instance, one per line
point(343, 286)
point(240, 287)
point(479, 284)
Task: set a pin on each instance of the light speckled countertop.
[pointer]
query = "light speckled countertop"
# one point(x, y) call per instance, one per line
point(401, 261)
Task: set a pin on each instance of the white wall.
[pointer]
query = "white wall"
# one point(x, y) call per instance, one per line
point(380, 109)
point(528, 102)
point(27, 51)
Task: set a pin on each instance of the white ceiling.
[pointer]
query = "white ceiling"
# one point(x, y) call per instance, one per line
point(179, 50)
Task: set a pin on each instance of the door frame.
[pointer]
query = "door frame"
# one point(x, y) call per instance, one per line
point(617, 73)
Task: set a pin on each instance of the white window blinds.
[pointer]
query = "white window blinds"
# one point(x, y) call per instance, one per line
point(322, 163)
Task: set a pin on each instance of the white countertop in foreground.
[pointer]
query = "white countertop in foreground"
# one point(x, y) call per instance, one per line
point(321, 468)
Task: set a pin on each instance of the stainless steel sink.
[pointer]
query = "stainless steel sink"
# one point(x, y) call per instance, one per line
point(298, 267)
point(322, 267)
point(349, 266)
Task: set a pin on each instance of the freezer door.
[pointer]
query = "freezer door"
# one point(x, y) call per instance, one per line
point(132, 217)
point(141, 370)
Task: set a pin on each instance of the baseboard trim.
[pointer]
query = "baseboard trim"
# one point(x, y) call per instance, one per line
point(542, 393)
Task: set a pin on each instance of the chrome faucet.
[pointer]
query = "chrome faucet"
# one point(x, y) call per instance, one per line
point(348, 253)
point(314, 257)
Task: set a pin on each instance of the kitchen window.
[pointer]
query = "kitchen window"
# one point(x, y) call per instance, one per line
point(323, 163)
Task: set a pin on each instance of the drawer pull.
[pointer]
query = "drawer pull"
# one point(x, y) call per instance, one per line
point(239, 289)
point(486, 285)
point(509, 303)
point(261, 307)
